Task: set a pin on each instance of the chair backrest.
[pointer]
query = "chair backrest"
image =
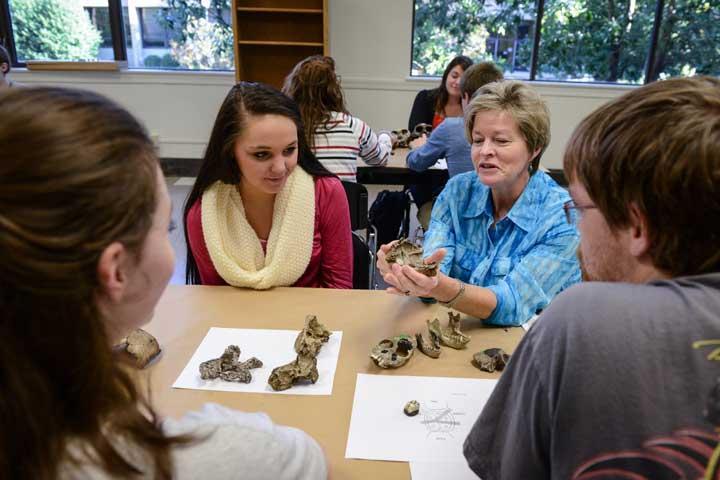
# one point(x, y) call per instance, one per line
point(357, 196)
point(362, 266)
point(390, 215)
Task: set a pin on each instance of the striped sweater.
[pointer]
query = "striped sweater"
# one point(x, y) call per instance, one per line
point(344, 138)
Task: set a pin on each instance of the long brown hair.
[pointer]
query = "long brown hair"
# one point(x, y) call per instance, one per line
point(441, 94)
point(315, 87)
point(77, 172)
point(219, 164)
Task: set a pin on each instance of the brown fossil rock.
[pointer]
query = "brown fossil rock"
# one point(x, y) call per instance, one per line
point(304, 368)
point(405, 252)
point(412, 408)
point(393, 352)
point(228, 367)
point(450, 336)
point(141, 347)
point(431, 347)
point(491, 360)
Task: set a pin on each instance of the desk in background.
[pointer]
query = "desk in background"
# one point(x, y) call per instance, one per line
point(396, 172)
point(185, 313)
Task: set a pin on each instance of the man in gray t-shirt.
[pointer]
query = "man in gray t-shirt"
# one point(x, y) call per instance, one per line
point(620, 378)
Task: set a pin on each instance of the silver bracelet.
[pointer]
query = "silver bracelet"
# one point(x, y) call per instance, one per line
point(452, 301)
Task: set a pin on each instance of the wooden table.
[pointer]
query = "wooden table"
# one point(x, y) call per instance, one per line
point(396, 172)
point(185, 313)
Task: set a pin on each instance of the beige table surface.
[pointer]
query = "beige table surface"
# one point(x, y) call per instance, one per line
point(185, 313)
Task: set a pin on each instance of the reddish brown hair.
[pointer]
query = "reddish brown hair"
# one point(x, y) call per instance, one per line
point(77, 172)
point(316, 89)
point(658, 148)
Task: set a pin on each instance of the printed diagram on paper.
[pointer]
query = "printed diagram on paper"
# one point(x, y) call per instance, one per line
point(379, 430)
point(440, 419)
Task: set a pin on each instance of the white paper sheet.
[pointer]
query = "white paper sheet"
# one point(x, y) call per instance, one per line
point(379, 430)
point(441, 471)
point(272, 347)
point(441, 164)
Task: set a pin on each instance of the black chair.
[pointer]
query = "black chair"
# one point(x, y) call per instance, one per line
point(363, 258)
point(558, 175)
point(363, 249)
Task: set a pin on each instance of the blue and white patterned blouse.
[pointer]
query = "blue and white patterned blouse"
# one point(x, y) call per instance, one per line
point(525, 259)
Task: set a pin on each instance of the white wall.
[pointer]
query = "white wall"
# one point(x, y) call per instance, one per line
point(371, 42)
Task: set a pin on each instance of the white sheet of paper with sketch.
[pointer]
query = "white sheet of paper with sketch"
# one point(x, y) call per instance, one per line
point(379, 430)
point(273, 347)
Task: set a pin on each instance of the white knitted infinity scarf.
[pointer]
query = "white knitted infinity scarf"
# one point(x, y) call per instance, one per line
point(234, 247)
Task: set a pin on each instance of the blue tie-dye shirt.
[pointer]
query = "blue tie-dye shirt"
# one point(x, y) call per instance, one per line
point(525, 259)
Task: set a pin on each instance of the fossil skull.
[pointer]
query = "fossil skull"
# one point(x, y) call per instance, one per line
point(393, 352)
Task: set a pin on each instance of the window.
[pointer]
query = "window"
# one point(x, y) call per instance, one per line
point(169, 34)
point(100, 18)
point(616, 41)
point(153, 32)
point(54, 30)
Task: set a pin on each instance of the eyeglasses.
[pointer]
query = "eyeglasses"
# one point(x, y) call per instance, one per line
point(573, 213)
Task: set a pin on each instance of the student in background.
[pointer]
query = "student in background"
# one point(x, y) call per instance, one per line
point(619, 377)
point(435, 105)
point(337, 138)
point(500, 231)
point(84, 217)
point(432, 107)
point(5, 67)
point(448, 140)
point(263, 211)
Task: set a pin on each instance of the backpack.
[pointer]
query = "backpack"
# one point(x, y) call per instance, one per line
point(390, 214)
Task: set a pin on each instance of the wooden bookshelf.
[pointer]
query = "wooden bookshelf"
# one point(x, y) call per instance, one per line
point(271, 36)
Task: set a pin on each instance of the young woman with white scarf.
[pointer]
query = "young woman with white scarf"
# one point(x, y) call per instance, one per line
point(263, 211)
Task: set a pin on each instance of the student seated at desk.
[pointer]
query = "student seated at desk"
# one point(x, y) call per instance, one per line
point(263, 211)
point(432, 107)
point(84, 217)
point(337, 138)
point(448, 140)
point(500, 232)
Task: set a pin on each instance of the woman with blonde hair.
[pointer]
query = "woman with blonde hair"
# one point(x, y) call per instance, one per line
point(500, 232)
point(337, 138)
point(85, 256)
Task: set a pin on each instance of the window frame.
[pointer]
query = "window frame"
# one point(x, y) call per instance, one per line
point(117, 33)
point(650, 74)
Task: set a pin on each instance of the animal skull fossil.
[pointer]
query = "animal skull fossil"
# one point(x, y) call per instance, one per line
point(491, 359)
point(307, 346)
point(405, 252)
point(228, 367)
point(430, 348)
point(393, 352)
point(141, 346)
point(450, 336)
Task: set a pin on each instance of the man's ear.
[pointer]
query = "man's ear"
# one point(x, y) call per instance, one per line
point(639, 240)
point(4, 68)
point(111, 270)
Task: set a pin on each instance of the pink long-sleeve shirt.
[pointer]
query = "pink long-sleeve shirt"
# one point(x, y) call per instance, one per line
point(331, 261)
